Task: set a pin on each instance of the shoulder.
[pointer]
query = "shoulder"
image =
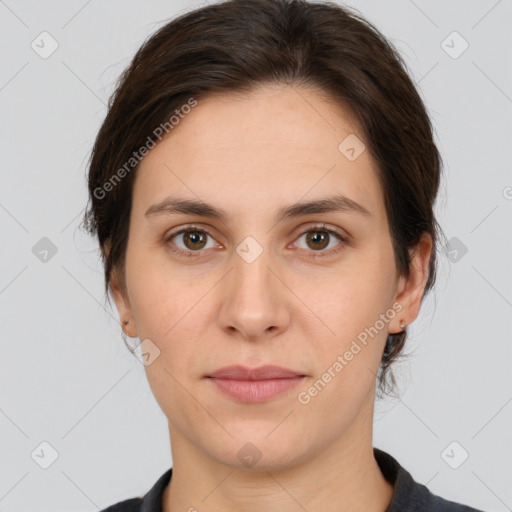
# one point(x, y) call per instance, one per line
point(410, 495)
point(152, 500)
point(131, 505)
point(441, 505)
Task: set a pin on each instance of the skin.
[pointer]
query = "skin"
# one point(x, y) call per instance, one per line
point(252, 155)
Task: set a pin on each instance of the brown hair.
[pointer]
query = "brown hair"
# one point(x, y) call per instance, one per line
point(236, 45)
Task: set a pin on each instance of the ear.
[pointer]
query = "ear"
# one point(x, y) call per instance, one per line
point(410, 289)
point(124, 308)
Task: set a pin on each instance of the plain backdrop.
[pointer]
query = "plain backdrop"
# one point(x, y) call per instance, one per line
point(71, 395)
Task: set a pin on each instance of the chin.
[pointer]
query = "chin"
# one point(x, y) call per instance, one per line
point(260, 452)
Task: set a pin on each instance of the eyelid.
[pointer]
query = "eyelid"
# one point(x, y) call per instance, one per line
point(191, 227)
point(323, 226)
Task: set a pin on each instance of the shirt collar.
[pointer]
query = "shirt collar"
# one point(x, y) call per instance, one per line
point(406, 490)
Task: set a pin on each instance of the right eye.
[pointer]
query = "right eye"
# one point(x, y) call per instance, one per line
point(192, 240)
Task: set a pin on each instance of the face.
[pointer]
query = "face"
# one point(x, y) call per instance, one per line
point(314, 291)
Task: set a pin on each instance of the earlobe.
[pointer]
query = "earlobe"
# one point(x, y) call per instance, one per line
point(129, 328)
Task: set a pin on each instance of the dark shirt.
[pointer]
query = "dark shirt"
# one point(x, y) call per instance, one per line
point(408, 495)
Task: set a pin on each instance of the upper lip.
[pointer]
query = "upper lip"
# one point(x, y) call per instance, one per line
point(261, 373)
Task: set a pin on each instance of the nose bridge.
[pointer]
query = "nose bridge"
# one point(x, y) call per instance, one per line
point(252, 279)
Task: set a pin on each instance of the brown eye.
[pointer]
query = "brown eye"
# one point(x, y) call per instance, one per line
point(194, 239)
point(318, 239)
point(190, 240)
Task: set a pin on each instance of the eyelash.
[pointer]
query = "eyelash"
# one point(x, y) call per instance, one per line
point(314, 254)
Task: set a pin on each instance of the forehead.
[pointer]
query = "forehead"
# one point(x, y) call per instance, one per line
point(276, 144)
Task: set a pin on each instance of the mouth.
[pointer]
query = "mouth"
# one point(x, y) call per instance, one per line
point(255, 385)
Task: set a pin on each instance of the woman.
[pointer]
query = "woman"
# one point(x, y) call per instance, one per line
point(262, 190)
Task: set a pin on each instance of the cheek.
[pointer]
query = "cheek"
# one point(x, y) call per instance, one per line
point(170, 310)
point(355, 310)
point(351, 302)
point(162, 295)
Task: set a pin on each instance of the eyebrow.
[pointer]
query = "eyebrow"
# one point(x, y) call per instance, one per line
point(334, 203)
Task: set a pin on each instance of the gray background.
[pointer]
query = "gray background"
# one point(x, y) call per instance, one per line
point(67, 378)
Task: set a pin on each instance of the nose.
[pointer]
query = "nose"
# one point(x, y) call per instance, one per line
point(254, 303)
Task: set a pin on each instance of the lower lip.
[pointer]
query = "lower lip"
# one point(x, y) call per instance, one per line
point(255, 391)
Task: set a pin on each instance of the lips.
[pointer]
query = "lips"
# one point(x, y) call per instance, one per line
point(254, 385)
point(262, 373)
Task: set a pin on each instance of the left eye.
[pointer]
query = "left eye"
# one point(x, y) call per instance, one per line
point(319, 239)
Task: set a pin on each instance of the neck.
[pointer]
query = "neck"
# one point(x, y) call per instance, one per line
point(341, 477)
